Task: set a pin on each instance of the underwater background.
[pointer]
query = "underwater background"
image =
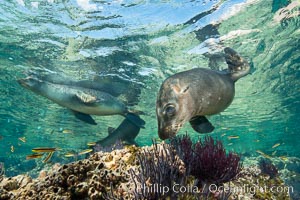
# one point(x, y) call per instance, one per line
point(142, 43)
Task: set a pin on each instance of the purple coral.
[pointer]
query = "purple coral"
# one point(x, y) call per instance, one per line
point(207, 160)
point(211, 164)
point(183, 145)
point(1, 171)
point(159, 167)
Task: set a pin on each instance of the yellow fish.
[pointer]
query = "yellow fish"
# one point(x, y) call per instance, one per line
point(233, 137)
point(12, 148)
point(91, 143)
point(33, 156)
point(67, 131)
point(44, 149)
point(263, 154)
point(284, 158)
point(275, 145)
point(85, 151)
point(48, 157)
point(69, 154)
point(23, 139)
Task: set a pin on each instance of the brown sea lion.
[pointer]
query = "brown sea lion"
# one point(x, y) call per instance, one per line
point(191, 95)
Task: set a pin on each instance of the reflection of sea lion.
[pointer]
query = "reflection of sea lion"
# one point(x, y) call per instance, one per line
point(193, 94)
point(82, 101)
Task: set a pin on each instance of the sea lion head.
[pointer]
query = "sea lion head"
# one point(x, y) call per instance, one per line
point(30, 83)
point(171, 107)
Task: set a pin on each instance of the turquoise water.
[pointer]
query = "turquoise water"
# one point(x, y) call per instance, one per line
point(142, 43)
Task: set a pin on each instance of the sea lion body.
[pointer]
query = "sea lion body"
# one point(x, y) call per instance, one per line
point(82, 101)
point(79, 99)
point(191, 95)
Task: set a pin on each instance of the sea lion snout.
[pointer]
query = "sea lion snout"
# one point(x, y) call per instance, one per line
point(28, 82)
point(166, 131)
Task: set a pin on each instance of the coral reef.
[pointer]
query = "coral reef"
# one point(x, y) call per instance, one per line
point(85, 179)
point(268, 168)
point(120, 173)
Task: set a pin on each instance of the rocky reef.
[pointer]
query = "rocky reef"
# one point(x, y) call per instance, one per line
point(122, 174)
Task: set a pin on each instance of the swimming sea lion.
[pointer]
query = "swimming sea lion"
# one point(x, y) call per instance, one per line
point(193, 94)
point(82, 101)
point(115, 85)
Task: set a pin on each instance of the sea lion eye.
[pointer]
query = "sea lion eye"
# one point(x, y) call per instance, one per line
point(170, 110)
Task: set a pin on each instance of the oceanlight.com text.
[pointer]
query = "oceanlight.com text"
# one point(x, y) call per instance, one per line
point(213, 188)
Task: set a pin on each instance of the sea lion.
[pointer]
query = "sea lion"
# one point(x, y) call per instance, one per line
point(82, 101)
point(116, 86)
point(191, 95)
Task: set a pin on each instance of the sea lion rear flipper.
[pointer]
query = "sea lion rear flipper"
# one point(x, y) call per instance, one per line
point(237, 65)
point(201, 124)
point(136, 120)
point(84, 117)
point(110, 130)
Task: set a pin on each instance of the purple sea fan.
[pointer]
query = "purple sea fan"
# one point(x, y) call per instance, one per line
point(1, 171)
point(184, 148)
point(161, 167)
point(211, 164)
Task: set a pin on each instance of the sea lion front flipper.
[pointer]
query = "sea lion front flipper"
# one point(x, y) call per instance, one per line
point(136, 120)
point(201, 124)
point(84, 117)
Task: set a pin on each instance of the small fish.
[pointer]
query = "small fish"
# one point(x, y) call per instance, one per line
point(263, 154)
point(12, 148)
point(274, 152)
point(225, 128)
point(1, 137)
point(70, 154)
point(284, 158)
point(233, 137)
point(85, 151)
point(52, 131)
point(33, 156)
point(275, 145)
point(23, 139)
point(48, 157)
point(91, 143)
point(67, 131)
point(223, 134)
point(256, 140)
point(44, 149)
point(229, 144)
point(158, 140)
